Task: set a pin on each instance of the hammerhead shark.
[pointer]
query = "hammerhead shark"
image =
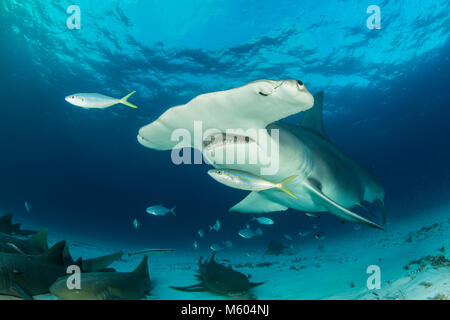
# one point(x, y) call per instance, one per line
point(326, 179)
point(107, 285)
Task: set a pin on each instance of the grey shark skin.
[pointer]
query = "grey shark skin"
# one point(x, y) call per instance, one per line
point(133, 285)
point(93, 264)
point(36, 244)
point(221, 280)
point(25, 276)
point(327, 179)
point(6, 224)
point(7, 227)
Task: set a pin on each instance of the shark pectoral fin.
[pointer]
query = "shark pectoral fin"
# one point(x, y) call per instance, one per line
point(336, 208)
point(194, 288)
point(256, 203)
point(17, 291)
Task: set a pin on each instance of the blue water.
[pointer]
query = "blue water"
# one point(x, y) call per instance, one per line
point(387, 104)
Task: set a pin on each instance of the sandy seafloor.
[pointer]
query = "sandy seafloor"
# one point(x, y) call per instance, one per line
point(411, 255)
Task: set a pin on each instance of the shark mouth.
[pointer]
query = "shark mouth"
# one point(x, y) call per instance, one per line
point(219, 148)
point(220, 140)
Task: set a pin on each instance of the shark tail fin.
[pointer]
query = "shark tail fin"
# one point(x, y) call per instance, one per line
point(142, 269)
point(282, 186)
point(55, 253)
point(124, 100)
point(39, 240)
point(172, 211)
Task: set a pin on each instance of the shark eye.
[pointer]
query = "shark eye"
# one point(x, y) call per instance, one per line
point(300, 84)
point(73, 97)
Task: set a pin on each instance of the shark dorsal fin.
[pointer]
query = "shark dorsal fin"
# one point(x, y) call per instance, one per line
point(79, 263)
point(39, 240)
point(142, 269)
point(7, 218)
point(55, 253)
point(313, 118)
point(67, 256)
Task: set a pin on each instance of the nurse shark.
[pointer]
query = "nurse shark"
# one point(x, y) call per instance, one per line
point(326, 179)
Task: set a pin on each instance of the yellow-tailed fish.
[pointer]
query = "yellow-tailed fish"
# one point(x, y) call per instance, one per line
point(247, 181)
point(97, 101)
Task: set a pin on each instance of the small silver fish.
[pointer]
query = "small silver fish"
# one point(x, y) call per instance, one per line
point(319, 236)
point(195, 245)
point(303, 233)
point(263, 220)
point(136, 224)
point(201, 233)
point(160, 210)
point(247, 233)
point(216, 226)
point(216, 247)
point(97, 101)
point(228, 244)
point(27, 206)
point(288, 237)
point(250, 182)
point(312, 215)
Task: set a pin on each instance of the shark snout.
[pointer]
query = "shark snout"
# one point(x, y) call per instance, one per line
point(297, 93)
point(141, 138)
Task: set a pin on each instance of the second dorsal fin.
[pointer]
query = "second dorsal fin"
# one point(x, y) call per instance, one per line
point(313, 118)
